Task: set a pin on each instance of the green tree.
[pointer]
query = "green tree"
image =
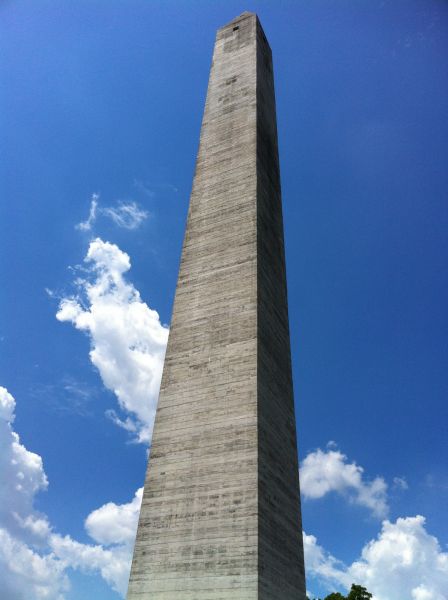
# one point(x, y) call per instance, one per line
point(358, 593)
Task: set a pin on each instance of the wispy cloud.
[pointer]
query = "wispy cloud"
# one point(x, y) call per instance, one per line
point(88, 223)
point(67, 396)
point(149, 189)
point(400, 483)
point(126, 214)
point(143, 187)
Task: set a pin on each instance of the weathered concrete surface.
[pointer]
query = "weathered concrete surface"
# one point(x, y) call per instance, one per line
point(220, 517)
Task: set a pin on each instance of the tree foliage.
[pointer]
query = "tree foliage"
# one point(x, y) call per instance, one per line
point(357, 592)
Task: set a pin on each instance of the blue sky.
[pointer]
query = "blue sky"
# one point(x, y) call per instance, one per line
point(103, 100)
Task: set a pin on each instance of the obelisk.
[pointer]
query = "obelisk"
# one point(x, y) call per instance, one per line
point(220, 517)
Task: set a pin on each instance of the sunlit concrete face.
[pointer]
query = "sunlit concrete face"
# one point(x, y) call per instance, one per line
point(220, 517)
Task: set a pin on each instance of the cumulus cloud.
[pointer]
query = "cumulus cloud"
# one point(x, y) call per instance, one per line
point(113, 563)
point(324, 472)
point(33, 557)
point(22, 471)
point(321, 564)
point(404, 562)
point(25, 574)
point(128, 341)
point(127, 215)
point(113, 527)
point(115, 523)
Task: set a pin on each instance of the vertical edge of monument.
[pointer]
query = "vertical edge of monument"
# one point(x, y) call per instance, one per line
point(281, 561)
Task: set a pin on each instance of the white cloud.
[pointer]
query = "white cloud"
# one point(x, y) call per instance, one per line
point(127, 338)
point(324, 472)
point(149, 188)
point(25, 574)
point(404, 562)
point(126, 214)
point(33, 558)
point(400, 483)
point(38, 526)
point(22, 471)
point(321, 564)
point(143, 187)
point(87, 225)
point(113, 564)
point(115, 523)
point(7, 405)
point(114, 527)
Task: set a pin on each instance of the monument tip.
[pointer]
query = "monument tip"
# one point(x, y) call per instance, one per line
point(244, 15)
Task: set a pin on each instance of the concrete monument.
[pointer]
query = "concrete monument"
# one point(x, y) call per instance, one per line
point(220, 518)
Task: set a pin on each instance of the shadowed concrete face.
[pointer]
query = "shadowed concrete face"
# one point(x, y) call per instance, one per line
point(220, 517)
